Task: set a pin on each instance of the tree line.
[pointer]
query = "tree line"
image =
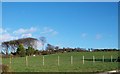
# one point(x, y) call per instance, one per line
point(50, 49)
point(27, 46)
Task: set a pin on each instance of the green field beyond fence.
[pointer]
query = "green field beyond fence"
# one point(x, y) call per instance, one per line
point(65, 62)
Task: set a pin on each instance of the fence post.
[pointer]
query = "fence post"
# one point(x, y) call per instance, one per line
point(43, 60)
point(26, 61)
point(58, 60)
point(71, 60)
point(111, 58)
point(93, 59)
point(83, 59)
point(103, 58)
point(10, 61)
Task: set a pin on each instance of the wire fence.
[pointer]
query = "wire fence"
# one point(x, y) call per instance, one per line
point(59, 60)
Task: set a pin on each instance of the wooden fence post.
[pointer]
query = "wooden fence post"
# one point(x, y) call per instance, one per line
point(71, 60)
point(111, 58)
point(26, 61)
point(58, 60)
point(103, 58)
point(83, 59)
point(93, 59)
point(43, 60)
point(10, 60)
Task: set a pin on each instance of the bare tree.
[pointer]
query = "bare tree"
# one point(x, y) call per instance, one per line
point(5, 47)
point(13, 44)
point(43, 41)
point(50, 47)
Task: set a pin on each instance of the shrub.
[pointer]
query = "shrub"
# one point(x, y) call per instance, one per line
point(30, 51)
point(5, 68)
point(21, 50)
point(44, 52)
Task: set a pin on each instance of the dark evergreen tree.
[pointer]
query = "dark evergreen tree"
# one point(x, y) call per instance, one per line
point(21, 50)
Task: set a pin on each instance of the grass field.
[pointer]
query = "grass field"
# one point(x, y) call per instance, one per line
point(35, 63)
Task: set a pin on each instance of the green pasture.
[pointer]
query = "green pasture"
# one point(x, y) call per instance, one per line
point(35, 63)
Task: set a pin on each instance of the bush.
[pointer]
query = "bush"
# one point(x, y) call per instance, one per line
point(21, 50)
point(5, 68)
point(36, 52)
point(44, 52)
point(30, 51)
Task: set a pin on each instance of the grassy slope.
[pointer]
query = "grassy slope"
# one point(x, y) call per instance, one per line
point(35, 63)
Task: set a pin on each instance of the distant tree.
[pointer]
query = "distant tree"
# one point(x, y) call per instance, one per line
point(57, 47)
point(29, 51)
point(64, 49)
point(36, 52)
point(5, 47)
point(43, 41)
point(50, 48)
point(2, 53)
point(89, 49)
point(12, 45)
point(21, 50)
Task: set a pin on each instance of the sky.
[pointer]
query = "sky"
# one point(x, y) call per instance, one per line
point(64, 24)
